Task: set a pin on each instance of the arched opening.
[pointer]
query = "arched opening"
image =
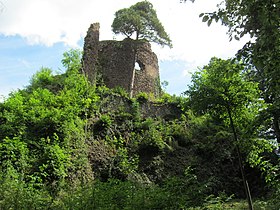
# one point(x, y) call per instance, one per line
point(139, 66)
point(136, 66)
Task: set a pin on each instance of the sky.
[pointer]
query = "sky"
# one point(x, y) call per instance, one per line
point(36, 33)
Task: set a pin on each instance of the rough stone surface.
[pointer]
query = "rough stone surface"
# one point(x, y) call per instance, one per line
point(90, 55)
point(114, 62)
point(147, 77)
point(160, 110)
point(116, 104)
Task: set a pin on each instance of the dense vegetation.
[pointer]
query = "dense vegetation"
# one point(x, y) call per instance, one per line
point(68, 144)
point(260, 20)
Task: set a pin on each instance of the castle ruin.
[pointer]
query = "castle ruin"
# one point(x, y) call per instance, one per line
point(128, 64)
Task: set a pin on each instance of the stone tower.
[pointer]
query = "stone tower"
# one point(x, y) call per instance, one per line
point(129, 64)
point(90, 55)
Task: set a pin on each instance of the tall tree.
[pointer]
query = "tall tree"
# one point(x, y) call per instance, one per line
point(221, 89)
point(261, 20)
point(223, 85)
point(141, 19)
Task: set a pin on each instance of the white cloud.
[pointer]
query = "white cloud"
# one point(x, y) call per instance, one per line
point(50, 21)
point(193, 40)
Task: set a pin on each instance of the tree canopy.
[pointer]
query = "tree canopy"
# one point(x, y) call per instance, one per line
point(221, 89)
point(260, 20)
point(221, 86)
point(141, 19)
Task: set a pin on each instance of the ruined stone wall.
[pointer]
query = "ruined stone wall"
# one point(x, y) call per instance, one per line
point(147, 77)
point(115, 104)
point(91, 46)
point(115, 62)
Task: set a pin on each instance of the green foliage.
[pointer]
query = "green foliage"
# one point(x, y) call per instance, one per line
point(260, 20)
point(152, 137)
point(218, 201)
point(221, 88)
point(72, 60)
point(115, 194)
point(260, 156)
point(43, 78)
point(16, 194)
point(103, 123)
point(180, 193)
point(65, 144)
point(54, 163)
point(42, 134)
point(213, 154)
point(246, 17)
point(13, 152)
point(121, 91)
point(135, 108)
point(141, 19)
point(166, 98)
point(123, 161)
point(142, 97)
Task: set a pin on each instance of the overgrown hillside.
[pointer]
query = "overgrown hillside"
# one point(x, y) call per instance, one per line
point(68, 144)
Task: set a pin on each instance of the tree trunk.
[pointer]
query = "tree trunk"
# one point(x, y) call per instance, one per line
point(245, 183)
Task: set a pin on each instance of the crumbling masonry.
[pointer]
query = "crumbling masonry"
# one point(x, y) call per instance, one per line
point(128, 64)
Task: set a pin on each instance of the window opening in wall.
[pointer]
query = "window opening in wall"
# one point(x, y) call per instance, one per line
point(139, 66)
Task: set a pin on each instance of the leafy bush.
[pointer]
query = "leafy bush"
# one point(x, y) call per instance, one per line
point(14, 152)
point(42, 78)
point(102, 126)
point(142, 97)
point(121, 91)
point(17, 194)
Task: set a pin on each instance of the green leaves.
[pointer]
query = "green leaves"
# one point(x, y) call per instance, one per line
point(209, 17)
point(46, 120)
point(55, 162)
point(221, 85)
point(209, 22)
point(205, 17)
point(72, 60)
point(14, 152)
point(260, 20)
point(42, 78)
point(141, 19)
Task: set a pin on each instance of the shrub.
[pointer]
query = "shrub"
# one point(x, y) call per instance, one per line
point(103, 124)
point(142, 97)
